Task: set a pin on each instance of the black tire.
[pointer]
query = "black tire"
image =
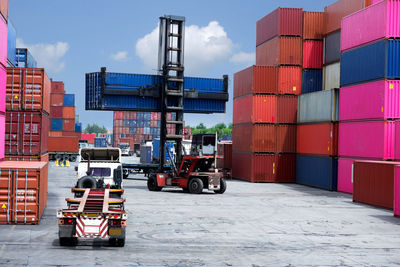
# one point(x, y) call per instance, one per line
point(195, 186)
point(125, 174)
point(185, 190)
point(57, 156)
point(66, 157)
point(72, 158)
point(68, 241)
point(87, 182)
point(222, 187)
point(152, 184)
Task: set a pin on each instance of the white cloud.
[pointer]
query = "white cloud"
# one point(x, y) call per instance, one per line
point(120, 56)
point(204, 47)
point(48, 56)
point(243, 58)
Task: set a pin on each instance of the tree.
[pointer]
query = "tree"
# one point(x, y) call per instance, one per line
point(95, 129)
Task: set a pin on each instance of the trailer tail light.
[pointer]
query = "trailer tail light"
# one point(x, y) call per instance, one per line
point(115, 223)
point(68, 221)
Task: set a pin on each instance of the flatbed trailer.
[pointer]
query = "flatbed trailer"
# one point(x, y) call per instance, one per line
point(146, 169)
point(98, 214)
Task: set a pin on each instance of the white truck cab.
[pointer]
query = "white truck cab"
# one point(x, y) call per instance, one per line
point(99, 168)
point(125, 149)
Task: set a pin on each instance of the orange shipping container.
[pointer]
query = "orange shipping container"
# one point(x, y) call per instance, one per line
point(57, 87)
point(289, 80)
point(313, 27)
point(317, 139)
point(23, 191)
point(69, 125)
point(280, 51)
point(90, 141)
point(64, 144)
point(55, 133)
point(69, 112)
point(43, 158)
point(28, 89)
point(75, 134)
point(57, 100)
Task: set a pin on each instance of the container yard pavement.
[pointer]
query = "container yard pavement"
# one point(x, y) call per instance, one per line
point(251, 224)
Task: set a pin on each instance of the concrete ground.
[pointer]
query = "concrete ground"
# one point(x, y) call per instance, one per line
point(249, 225)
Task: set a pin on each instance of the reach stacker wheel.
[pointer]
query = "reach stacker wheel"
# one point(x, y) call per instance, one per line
point(152, 183)
point(195, 186)
point(222, 187)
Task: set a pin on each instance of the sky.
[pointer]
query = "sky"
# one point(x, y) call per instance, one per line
point(74, 37)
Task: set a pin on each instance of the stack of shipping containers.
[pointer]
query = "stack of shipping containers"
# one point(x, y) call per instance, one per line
point(370, 91)
point(316, 163)
point(64, 129)
point(265, 101)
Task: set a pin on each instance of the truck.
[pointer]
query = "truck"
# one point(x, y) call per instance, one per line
point(125, 149)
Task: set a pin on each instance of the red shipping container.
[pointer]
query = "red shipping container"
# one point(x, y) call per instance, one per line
point(42, 158)
point(56, 112)
point(282, 21)
point(27, 133)
point(88, 136)
point(225, 151)
point(74, 134)
point(264, 138)
point(69, 112)
point(265, 109)
point(69, 125)
point(56, 100)
point(312, 54)
point(313, 26)
point(55, 133)
point(90, 141)
point(373, 183)
point(23, 190)
point(28, 89)
point(57, 87)
point(264, 167)
point(280, 51)
point(317, 139)
point(289, 80)
point(64, 144)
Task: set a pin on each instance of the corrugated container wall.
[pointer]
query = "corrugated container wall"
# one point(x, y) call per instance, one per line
point(65, 144)
point(320, 172)
point(57, 87)
point(56, 100)
point(280, 51)
point(367, 139)
point(378, 100)
point(313, 26)
point(3, 42)
point(331, 76)
point(281, 22)
point(311, 81)
point(345, 175)
point(23, 190)
point(332, 48)
point(68, 112)
point(312, 54)
point(397, 141)
point(376, 22)
point(255, 80)
point(2, 135)
point(379, 60)
point(56, 125)
point(289, 80)
point(69, 100)
point(317, 139)
point(56, 112)
point(318, 107)
point(396, 204)
point(11, 44)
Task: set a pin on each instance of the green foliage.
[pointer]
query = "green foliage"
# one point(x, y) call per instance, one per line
point(94, 129)
point(220, 128)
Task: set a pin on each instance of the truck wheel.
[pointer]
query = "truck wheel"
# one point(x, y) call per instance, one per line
point(152, 184)
point(87, 182)
point(195, 186)
point(57, 156)
point(72, 158)
point(68, 241)
point(222, 187)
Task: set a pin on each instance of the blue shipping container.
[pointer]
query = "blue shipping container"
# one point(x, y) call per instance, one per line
point(376, 61)
point(317, 171)
point(156, 149)
point(56, 125)
point(78, 127)
point(145, 155)
point(11, 44)
point(311, 81)
point(69, 100)
point(100, 142)
point(24, 59)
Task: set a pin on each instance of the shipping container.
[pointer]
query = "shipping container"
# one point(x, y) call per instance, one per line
point(68, 125)
point(4, 9)
point(379, 60)
point(23, 190)
point(100, 142)
point(265, 109)
point(374, 183)
point(317, 171)
point(313, 25)
point(259, 168)
point(56, 112)
point(55, 133)
point(73, 134)
point(26, 133)
point(367, 139)
point(11, 44)
point(57, 87)
point(3, 43)
point(289, 80)
point(280, 51)
point(225, 151)
point(68, 112)
point(332, 48)
point(379, 21)
point(345, 174)
point(331, 76)
point(28, 89)
point(312, 54)
point(56, 100)
point(78, 127)
point(397, 141)
point(69, 100)
point(317, 139)
point(317, 107)
point(24, 59)
point(281, 22)
point(3, 82)
point(56, 124)
point(378, 100)
point(255, 80)
point(264, 138)
point(396, 196)
point(42, 158)
point(64, 144)
point(88, 136)
point(311, 81)
point(2, 135)
point(335, 12)
point(169, 146)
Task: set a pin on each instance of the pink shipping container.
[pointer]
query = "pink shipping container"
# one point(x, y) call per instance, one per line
point(397, 141)
point(3, 42)
point(345, 175)
point(376, 22)
point(367, 139)
point(3, 83)
point(378, 100)
point(312, 54)
point(2, 135)
point(282, 21)
point(396, 204)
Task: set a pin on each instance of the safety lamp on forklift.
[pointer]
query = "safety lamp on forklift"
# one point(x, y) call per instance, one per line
point(114, 222)
point(68, 221)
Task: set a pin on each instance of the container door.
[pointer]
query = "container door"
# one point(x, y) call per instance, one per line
point(6, 196)
point(26, 191)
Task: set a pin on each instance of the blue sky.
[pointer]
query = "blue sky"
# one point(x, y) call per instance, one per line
point(74, 37)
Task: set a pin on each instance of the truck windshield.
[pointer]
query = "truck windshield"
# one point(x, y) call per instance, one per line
point(102, 172)
point(123, 146)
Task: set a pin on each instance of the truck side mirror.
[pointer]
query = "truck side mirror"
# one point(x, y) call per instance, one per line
point(76, 168)
point(118, 176)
